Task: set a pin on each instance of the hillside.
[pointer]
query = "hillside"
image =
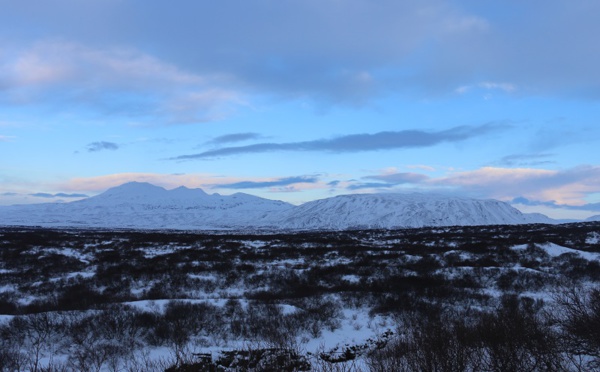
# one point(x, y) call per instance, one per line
point(145, 206)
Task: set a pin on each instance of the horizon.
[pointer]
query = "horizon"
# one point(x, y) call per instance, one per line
point(432, 194)
point(304, 100)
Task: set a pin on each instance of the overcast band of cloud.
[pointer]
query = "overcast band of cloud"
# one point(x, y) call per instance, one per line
point(101, 145)
point(58, 195)
point(359, 142)
point(234, 137)
point(552, 204)
point(276, 183)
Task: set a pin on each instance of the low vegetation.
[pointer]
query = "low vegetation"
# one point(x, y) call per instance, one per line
point(488, 298)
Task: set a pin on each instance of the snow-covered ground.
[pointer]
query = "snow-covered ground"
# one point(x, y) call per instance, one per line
point(325, 292)
point(555, 250)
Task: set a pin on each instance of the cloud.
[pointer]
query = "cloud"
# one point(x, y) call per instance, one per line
point(102, 183)
point(566, 189)
point(521, 160)
point(42, 195)
point(569, 186)
point(169, 181)
point(369, 185)
point(341, 52)
point(487, 85)
point(427, 168)
point(552, 204)
point(235, 137)
point(359, 142)
point(268, 184)
point(58, 195)
point(399, 178)
point(63, 195)
point(6, 138)
point(102, 145)
point(389, 180)
point(113, 81)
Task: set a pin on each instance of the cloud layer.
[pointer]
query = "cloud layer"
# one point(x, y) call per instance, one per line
point(111, 81)
point(359, 142)
point(102, 145)
point(338, 52)
point(557, 187)
point(57, 195)
point(286, 181)
point(235, 137)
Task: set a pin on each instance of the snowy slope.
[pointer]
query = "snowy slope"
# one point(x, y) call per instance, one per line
point(142, 205)
point(593, 218)
point(403, 210)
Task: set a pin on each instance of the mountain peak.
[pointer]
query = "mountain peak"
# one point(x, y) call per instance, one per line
point(133, 188)
point(185, 192)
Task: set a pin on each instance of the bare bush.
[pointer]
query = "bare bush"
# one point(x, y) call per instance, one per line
point(578, 315)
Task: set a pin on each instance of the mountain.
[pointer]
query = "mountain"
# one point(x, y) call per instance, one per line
point(145, 206)
point(403, 210)
point(593, 218)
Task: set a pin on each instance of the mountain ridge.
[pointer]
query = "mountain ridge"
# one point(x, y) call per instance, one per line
point(147, 206)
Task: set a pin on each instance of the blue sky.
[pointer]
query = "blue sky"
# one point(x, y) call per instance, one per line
point(301, 100)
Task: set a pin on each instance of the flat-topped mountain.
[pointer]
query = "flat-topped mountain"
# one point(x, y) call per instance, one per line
point(404, 210)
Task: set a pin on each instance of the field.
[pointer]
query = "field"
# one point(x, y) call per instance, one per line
point(487, 298)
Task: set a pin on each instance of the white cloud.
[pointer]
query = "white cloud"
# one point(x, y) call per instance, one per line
point(570, 186)
point(193, 180)
point(6, 138)
point(487, 85)
point(51, 69)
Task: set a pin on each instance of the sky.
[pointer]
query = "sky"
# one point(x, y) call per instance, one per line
point(298, 100)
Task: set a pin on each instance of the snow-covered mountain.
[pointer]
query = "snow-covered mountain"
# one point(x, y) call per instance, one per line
point(142, 205)
point(593, 218)
point(403, 210)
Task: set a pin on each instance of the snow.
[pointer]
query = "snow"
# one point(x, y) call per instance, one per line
point(159, 305)
point(145, 206)
point(7, 288)
point(592, 238)
point(356, 327)
point(351, 278)
point(402, 210)
point(555, 250)
point(520, 247)
point(83, 274)
point(151, 252)
point(253, 243)
point(211, 277)
point(68, 252)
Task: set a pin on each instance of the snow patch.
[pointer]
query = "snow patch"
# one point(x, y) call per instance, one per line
point(555, 250)
point(592, 238)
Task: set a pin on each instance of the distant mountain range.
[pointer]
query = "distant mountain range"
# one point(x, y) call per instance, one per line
point(145, 206)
